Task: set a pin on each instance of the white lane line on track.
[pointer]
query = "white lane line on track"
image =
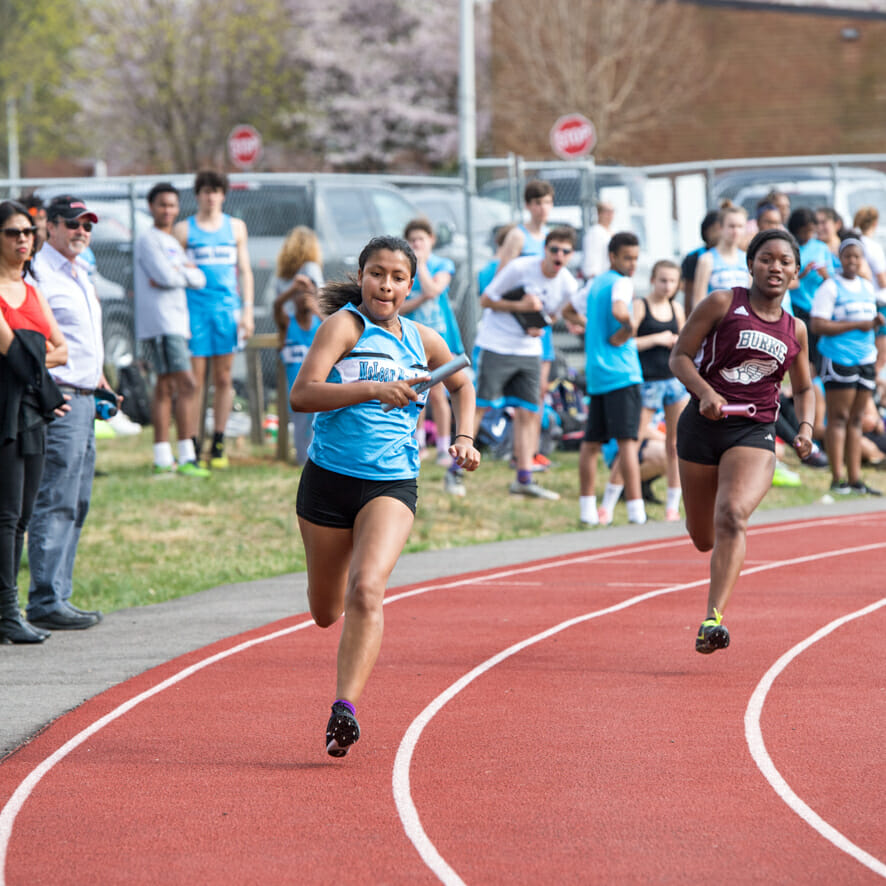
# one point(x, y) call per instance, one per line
point(757, 747)
point(401, 784)
point(13, 806)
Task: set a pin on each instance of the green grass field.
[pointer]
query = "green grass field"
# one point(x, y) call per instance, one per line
point(149, 539)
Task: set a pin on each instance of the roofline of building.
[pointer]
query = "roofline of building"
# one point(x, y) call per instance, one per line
point(806, 8)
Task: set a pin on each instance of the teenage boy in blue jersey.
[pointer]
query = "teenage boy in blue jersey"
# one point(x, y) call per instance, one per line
point(614, 379)
point(221, 312)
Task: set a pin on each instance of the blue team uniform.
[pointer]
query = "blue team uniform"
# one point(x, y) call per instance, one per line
point(363, 440)
point(855, 347)
point(215, 309)
point(296, 346)
point(437, 313)
point(609, 367)
point(726, 275)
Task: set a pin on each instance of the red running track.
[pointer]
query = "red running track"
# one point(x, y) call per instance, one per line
point(545, 723)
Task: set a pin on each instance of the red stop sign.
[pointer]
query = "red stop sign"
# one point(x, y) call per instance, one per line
point(244, 146)
point(572, 136)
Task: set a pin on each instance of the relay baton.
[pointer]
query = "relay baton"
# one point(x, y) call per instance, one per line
point(746, 410)
point(441, 372)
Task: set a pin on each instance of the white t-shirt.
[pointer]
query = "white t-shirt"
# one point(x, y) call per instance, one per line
point(873, 252)
point(595, 251)
point(499, 331)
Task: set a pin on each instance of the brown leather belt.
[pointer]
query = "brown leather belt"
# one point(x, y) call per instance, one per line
point(71, 389)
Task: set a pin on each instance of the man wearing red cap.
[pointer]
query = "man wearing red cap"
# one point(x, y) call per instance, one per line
point(66, 487)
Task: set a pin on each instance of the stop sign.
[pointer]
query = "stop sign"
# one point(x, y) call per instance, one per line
point(572, 136)
point(244, 146)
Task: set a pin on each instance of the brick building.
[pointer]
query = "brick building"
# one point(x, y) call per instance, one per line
point(781, 78)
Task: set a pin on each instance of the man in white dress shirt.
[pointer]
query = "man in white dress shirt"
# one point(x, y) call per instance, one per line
point(66, 487)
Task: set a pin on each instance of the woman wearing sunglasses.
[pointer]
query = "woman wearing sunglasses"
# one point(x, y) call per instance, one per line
point(30, 344)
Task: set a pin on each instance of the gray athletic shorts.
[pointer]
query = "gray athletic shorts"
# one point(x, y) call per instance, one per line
point(508, 380)
point(167, 354)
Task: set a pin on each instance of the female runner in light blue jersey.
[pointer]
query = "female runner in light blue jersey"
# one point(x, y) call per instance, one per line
point(357, 495)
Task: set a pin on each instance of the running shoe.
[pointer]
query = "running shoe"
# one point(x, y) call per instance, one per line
point(604, 517)
point(840, 488)
point(165, 470)
point(342, 731)
point(192, 469)
point(444, 459)
point(453, 484)
point(533, 490)
point(862, 488)
point(672, 515)
point(535, 467)
point(217, 462)
point(712, 635)
point(783, 476)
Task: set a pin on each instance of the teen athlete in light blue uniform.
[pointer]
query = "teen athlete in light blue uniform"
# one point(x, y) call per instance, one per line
point(844, 315)
point(387, 447)
point(614, 378)
point(357, 495)
point(724, 273)
point(215, 309)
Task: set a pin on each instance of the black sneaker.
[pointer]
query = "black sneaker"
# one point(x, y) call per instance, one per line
point(342, 731)
point(841, 488)
point(861, 488)
point(712, 635)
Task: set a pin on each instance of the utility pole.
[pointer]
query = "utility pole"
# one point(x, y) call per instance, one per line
point(13, 166)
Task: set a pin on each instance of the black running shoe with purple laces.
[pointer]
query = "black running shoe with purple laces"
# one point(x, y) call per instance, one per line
point(342, 730)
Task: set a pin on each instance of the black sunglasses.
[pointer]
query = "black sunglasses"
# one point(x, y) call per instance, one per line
point(555, 250)
point(15, 233)
point(73, 223)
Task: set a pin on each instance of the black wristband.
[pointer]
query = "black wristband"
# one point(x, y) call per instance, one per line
point(467, 436)
point(811, 426)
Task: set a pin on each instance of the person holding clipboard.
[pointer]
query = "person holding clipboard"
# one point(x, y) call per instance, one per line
point(519, 303)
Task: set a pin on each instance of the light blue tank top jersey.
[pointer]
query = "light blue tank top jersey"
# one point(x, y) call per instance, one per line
point(608, 367)
point(533, 245)
point(215, 253)
point(431, 312)
point(362, 440)
point(726, 275)
point(298, 341)
point(853, 348)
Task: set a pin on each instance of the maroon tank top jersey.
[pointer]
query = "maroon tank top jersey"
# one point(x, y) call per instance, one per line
point(745, 358)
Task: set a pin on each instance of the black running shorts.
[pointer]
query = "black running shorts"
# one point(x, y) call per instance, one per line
point(615, 415)
point(703, 441)
point(330, 499)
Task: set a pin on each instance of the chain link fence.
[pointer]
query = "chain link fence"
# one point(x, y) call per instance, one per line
point(663, 205)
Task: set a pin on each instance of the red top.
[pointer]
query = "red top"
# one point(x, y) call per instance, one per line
point(745, 358)
point(28, 315)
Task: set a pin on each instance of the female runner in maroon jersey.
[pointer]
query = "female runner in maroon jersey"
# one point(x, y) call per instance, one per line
point(735, 348)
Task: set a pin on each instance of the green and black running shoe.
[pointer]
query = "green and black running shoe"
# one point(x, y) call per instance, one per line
point(712, 635)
